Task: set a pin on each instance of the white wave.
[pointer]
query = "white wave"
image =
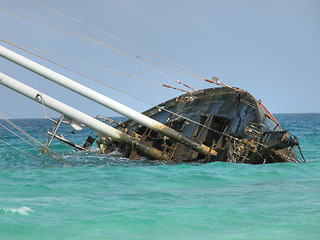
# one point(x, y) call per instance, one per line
point(21, 210)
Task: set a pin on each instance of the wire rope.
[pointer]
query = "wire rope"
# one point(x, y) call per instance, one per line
point(85, 37)
point(96, 66)
point(115, 37)
point(25, 152)
point(27, 141)
point(214, 80)
point(34, 140)
point(25, 122)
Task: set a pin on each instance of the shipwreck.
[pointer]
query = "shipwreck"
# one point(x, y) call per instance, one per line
point(224, 124)
point(233, 124)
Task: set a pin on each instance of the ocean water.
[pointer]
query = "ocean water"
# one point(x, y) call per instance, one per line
point(107, 197)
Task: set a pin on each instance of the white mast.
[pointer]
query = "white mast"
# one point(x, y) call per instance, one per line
point(104, 100)
point(79, 116)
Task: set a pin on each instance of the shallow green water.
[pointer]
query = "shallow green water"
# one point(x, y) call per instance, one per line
point(107, 197)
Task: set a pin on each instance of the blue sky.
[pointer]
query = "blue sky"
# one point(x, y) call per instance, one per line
point(269, 48)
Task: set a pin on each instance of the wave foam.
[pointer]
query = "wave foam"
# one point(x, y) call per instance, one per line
point(22, 210)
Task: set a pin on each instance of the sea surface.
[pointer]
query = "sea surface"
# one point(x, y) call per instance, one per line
point(108, 197)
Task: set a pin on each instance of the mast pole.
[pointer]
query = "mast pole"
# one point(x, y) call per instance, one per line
point(79, 116)
point(104, 100)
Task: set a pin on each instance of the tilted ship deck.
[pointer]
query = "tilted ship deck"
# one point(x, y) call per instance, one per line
point(228, 120)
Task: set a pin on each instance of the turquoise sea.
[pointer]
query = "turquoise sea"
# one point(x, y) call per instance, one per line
point(107, 197)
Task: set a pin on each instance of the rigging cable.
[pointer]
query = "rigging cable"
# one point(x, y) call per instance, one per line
point(26, 141)
point(115, 37)
point(52, 19)
point(214, 80)
point(43, 132)
point(96, 66)
point(122, 52)
point(38, 129)
point(25, 152)
point(34, 140)
point(81, 74)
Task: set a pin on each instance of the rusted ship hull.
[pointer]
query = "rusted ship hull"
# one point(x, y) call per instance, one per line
point(230, 121)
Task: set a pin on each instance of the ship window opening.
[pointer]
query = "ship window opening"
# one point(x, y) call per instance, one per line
point(177, 125)
point(152, 134)
point(203, 120)
point(141, 130)
point(212, 133)
point(158, 143)
point(219, 124)
point(147, 133)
